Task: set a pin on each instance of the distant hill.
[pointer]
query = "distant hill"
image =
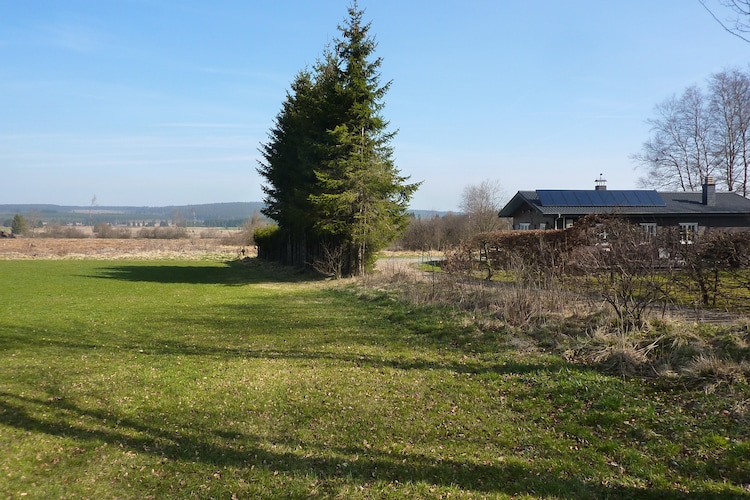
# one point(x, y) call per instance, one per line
point(210, 214)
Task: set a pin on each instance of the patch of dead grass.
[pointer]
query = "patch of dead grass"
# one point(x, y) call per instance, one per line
point(116, 249)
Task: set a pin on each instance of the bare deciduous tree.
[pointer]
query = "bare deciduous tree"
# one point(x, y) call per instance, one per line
point(434, 233)
point(730, 115)
point(677, 155)
point(738, 22)
point(481, 203)
point(701, 133)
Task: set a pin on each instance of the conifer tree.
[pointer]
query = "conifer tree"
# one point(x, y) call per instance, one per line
point(19, 225)
point(287, 169)
point(332, 185)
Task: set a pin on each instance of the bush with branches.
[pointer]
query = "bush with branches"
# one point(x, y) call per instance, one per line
point(246, 237)
point(616, 261)
point(57, 230)
point(624, 266)
point(105, 230)
point(534, 256)
point(715, 266)
point(440, 232)
point(163, 233)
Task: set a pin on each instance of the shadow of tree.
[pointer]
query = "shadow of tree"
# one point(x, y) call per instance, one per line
point(28, 338)
point(64, 419)
point(233, 273)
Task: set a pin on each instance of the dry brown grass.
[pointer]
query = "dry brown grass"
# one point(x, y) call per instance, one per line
point(710, 371)
point(702, 354)
point(494, 302)
point(113, 249)
point(612, 351)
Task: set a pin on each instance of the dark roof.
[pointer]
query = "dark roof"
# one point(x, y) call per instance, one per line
point(599, 198)
point(674, 203)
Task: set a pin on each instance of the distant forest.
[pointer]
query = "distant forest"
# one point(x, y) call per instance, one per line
point(206, 215)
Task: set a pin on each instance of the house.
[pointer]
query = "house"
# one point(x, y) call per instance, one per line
point(693, 212)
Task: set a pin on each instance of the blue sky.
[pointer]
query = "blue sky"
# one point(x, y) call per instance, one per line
point(160, 102)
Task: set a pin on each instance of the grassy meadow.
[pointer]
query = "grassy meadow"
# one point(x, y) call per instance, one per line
point(206, 379)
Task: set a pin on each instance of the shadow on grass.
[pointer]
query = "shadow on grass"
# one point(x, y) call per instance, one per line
point(72, 341)
point(330, 464)
point(369, 361)
point(233, 273)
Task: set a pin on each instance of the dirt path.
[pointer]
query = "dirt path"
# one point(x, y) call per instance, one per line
point(391, 263)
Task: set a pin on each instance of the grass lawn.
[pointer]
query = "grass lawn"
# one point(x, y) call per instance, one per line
point(138, 379)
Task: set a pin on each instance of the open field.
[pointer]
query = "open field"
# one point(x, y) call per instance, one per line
point(101, 248)
point(213, 379)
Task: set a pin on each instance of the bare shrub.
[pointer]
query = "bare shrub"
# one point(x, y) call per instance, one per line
point(246, 236)
point(60, 231)
point(239, 238)
point(209, 234)
point(433, 233)
point(331, 262)
point(616, 260)
point(708, 260)
point(163, 233)
point(542, 255)
point(104, 230)
point(481, 203)
point(517, 305)
point(462, 259)
point(623, 266)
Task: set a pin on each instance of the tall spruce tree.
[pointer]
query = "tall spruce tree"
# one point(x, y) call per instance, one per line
point(332, 185)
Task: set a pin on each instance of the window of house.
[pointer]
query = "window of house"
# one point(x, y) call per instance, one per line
point(649, 230)
point(688, 232)
point(524, 226)
point(542, 225)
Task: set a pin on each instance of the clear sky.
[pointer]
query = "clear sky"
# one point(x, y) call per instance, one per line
point(161, 102)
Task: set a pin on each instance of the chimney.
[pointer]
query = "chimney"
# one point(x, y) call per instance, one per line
point(709, 192)
point(601, 183)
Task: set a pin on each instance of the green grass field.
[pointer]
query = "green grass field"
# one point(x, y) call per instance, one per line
point(169, 379)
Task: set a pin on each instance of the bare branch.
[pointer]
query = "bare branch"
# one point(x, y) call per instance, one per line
point(739, 26)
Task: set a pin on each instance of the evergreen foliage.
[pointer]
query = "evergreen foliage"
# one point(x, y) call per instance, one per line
point(19, 225)
point(331, 183)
